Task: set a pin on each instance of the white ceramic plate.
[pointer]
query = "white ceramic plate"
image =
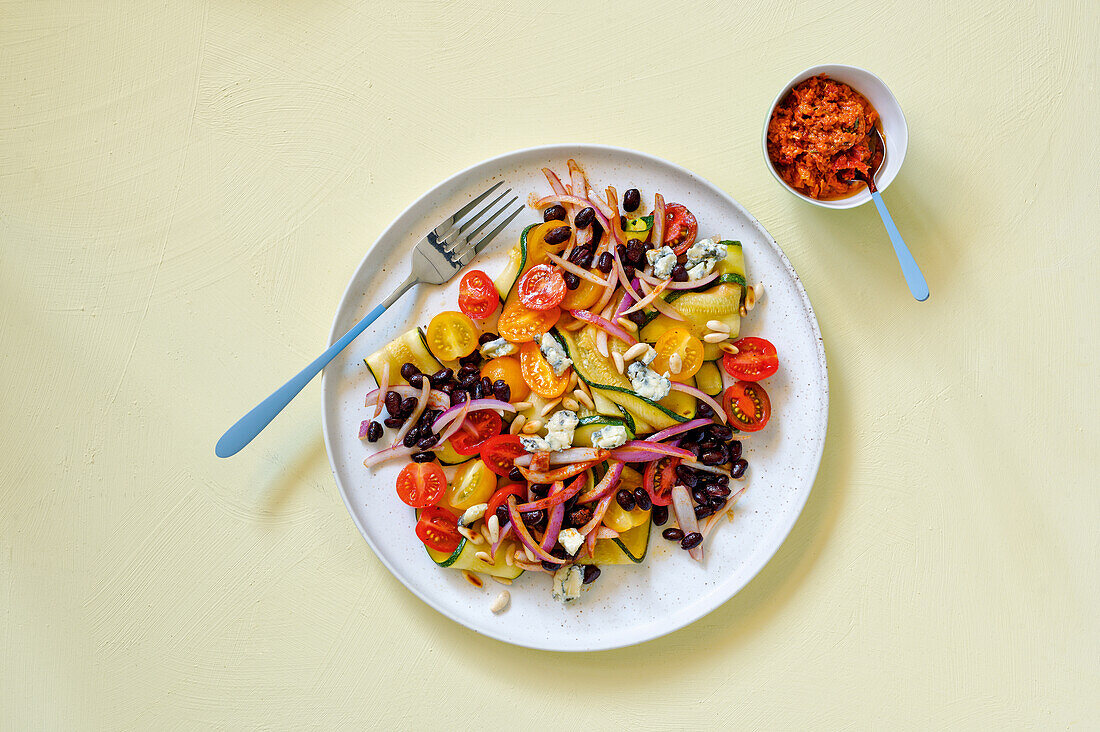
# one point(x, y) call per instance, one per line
point(628, 604)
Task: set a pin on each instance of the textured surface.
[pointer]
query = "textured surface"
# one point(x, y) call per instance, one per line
point(186, 187)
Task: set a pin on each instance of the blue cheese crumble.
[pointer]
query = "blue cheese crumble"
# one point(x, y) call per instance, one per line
point(554, 354)
point(610, 437)
point(648, 383)
point(497, 348)
point(567, 583)
point(559, 434)
point(702, 256)
point(571, 540)
point(662, 261)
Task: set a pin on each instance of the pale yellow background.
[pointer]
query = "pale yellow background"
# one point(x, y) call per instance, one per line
point(185, 188)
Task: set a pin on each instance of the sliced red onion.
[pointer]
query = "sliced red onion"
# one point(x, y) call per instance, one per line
point(364, 427)
point(554, 181)
point(636, 456)
point(650, 297)
point(581, 272)
point(389, 454)
point(457, 421)
point(672, 285)
point(597, 515)
point(685, 517)
point(501, 536)
point(472, 405)
point(541, 478)
point(382, 387)
point(607, 484)
point(567, 457)
point(677, 429)
point(553, 526)
point(436, 399)
point(605, 325)
point(613, 283)
point(525, 537)
point(661, 306)
point(624, 303)
point(604, 532)
point(556, 498)
point(708, 468)
point(656, 447)
point(703, 397)
point(421, 405)
point(658, 235)
point(578, 179)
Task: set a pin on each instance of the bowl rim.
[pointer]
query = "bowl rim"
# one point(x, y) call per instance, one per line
point(864, 195)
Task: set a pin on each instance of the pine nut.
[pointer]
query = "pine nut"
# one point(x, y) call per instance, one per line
point(584, 399)
point(758, 290)
point(729, 348)
point(618, 359)
point(520, 406)
point(570, 404)
point(472, 536)
point(750, 298)
point(485, 535)
point(627, 323)
point(530, 554)
point(743, 311)
point(718, 325)
point(549, 407)
point(501, 603)
point(573, 379)
point(500, 580)
point(473, 579)
point(517, 424)
point(675, 363)
point(601, 343)
point(716, 337)
point(510, 556)
point(635, 351)
point(532, 427)
point(494, 528)
point(484, 557)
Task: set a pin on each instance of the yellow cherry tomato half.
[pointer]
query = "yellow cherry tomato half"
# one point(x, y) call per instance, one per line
point(585, 296)
point(507, 369)
point(473, 483)
point(452, 335)
point(538, 374)
point(682, 343)
point(518, 323)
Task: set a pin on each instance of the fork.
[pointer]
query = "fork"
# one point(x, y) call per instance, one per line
point(435, 260)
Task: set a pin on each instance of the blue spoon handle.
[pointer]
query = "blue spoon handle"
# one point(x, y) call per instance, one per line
point(251, 424)
point(909, 268)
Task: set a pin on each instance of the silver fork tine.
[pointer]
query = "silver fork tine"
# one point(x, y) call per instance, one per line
point(453, 238)
point(472, 252)
point(449, 223)
point(486, 222)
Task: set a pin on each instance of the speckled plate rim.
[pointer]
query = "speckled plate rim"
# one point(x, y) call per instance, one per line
point(578, 150)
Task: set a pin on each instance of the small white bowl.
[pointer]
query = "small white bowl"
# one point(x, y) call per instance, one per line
point(891, 125)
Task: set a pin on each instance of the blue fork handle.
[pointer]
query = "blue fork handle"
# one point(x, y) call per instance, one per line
point(253, 423)
point(909, 268)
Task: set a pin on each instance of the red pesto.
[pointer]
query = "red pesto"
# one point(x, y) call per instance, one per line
point(818, 135)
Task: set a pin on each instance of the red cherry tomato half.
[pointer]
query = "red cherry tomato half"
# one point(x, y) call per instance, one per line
point(499, 453)
point(500, 498)
point(681, 228)
point(438, 529)
point(542, 287)
point(747, 406)
point(421, 484)
point(477, 296)
point(659, 477)
point(755, 360)
point(478, 428)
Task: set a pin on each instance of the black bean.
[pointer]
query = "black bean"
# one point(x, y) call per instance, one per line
point(441, 377)
point(701, 512)
point(720, 431)
point(628, 270)
point(641, 498)
point(692, 540)
point(703, 411)
point(410, 438)
point(515, 475)
point(374, 431)
point(539, 491)
point(738, 468)
point(713, 457)
point(423, 457)
point(635, 253)
point(408, 404)
point(597, 233)
point(686, 476)
point(416, 380)
point(707, 443)
point(486, 385)
point(392, 422)
point(468, 376)
point(679, 273)
point(427, 441)
point(535, 519)
point(625, 499)
point(718, 491)
point(605, 263)
point(716, 504)
point(393, 402)
point(502, 515)
point(476, 392)
point(502, 391)
point(578, 254)
point(584, 217)
point(486, 337)
point(458, 396)
point(474, 359)
point(660, 515)
point(427, 417)
point(734, 447)
point(554, 213)
point(591, 574)
point(620, 249)
point(699, 495)
point(408, 370)
point(572, 281)
point(578, 516)
point(673, 534)
point(557, 235)
point(631, 200)
point(637, 318)
point(622, 221)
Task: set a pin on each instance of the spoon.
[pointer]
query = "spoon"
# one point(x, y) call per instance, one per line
point(909, 268)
